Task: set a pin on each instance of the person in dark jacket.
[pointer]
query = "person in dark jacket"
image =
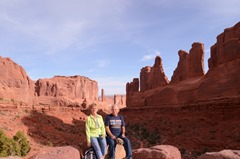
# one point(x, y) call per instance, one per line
point(115, 128)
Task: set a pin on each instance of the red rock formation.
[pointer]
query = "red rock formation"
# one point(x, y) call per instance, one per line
point(132, 86)
point(103, 95)
point(14, 82)
point(58, 152)
point(144, 76)
point(157, 76)
point(157, 152)
point(189, 84)
point(132, 89)
point(71, 86)
point(195, 128)
point(227, 47)
point(66, 91)
point(150, 78)
point(189, 65)
point(16, 85)
point(120, 100)
point(222, 79)
point(181, 72)
point(231, 154)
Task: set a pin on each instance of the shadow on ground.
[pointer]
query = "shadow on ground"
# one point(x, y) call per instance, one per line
point(51, 131)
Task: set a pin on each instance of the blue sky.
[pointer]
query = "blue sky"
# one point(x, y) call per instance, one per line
point(108, 40)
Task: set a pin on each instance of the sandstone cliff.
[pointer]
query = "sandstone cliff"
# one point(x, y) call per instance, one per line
point(189, 83)
point(16, 85)
point(71, 90)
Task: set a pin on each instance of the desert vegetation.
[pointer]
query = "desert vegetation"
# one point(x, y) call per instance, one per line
point(18, 145)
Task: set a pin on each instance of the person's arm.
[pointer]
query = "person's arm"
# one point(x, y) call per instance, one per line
point(110, 133)
point(123, 127)
point(87, 132)
point(103, 131)
point(123, 131)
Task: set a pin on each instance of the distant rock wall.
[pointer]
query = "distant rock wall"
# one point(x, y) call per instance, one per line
point(16, 85)
point(120, 100)
point(189, 83)
point(72, 86)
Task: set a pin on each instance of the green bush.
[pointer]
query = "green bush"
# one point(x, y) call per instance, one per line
point(16, 146)
point(22, 142)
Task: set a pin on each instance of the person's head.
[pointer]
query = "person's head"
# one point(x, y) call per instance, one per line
point(115, 110)
point(93, 108)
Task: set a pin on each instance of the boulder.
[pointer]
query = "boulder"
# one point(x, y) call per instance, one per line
point(157, 152)
point(66, 152)
point(224, 154)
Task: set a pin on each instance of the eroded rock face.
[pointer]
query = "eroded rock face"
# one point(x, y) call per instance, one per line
point(15, 84)
point(188, 83)
point(157, 76)
point(144, 76)
point(222, 79)
point(66, 91)
point(132, 86)
point(72, 87)
point(120, 100)
point(227, 47)
point(189, 65)
point(159, 151)
point(181, 72)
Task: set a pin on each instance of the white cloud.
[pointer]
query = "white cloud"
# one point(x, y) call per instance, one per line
point(150, 56)
point(58, 24)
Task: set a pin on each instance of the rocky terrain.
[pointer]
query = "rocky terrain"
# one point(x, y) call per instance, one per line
point(193, 113)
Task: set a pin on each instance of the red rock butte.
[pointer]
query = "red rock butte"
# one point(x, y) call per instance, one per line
point(189, 83)
point(16, 85)
point(195, 112)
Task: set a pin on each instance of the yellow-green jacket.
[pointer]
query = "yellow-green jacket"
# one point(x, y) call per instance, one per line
point(91, 127)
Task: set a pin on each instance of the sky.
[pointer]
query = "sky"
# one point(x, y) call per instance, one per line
point(108, 41)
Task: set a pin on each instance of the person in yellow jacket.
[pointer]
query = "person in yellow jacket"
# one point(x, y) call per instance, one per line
point(95, 132)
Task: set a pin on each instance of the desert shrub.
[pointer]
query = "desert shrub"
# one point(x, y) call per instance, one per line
point(8, 146)
point(139, 132)
point(22, 142)
point(16, 146)
point(49, 143)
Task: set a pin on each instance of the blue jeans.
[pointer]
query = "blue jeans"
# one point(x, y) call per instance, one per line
point(112, 145)
point(99, 145)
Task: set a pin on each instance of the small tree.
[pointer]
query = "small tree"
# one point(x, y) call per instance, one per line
point(22, 142)
point(8, 146)
point(16, 146)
